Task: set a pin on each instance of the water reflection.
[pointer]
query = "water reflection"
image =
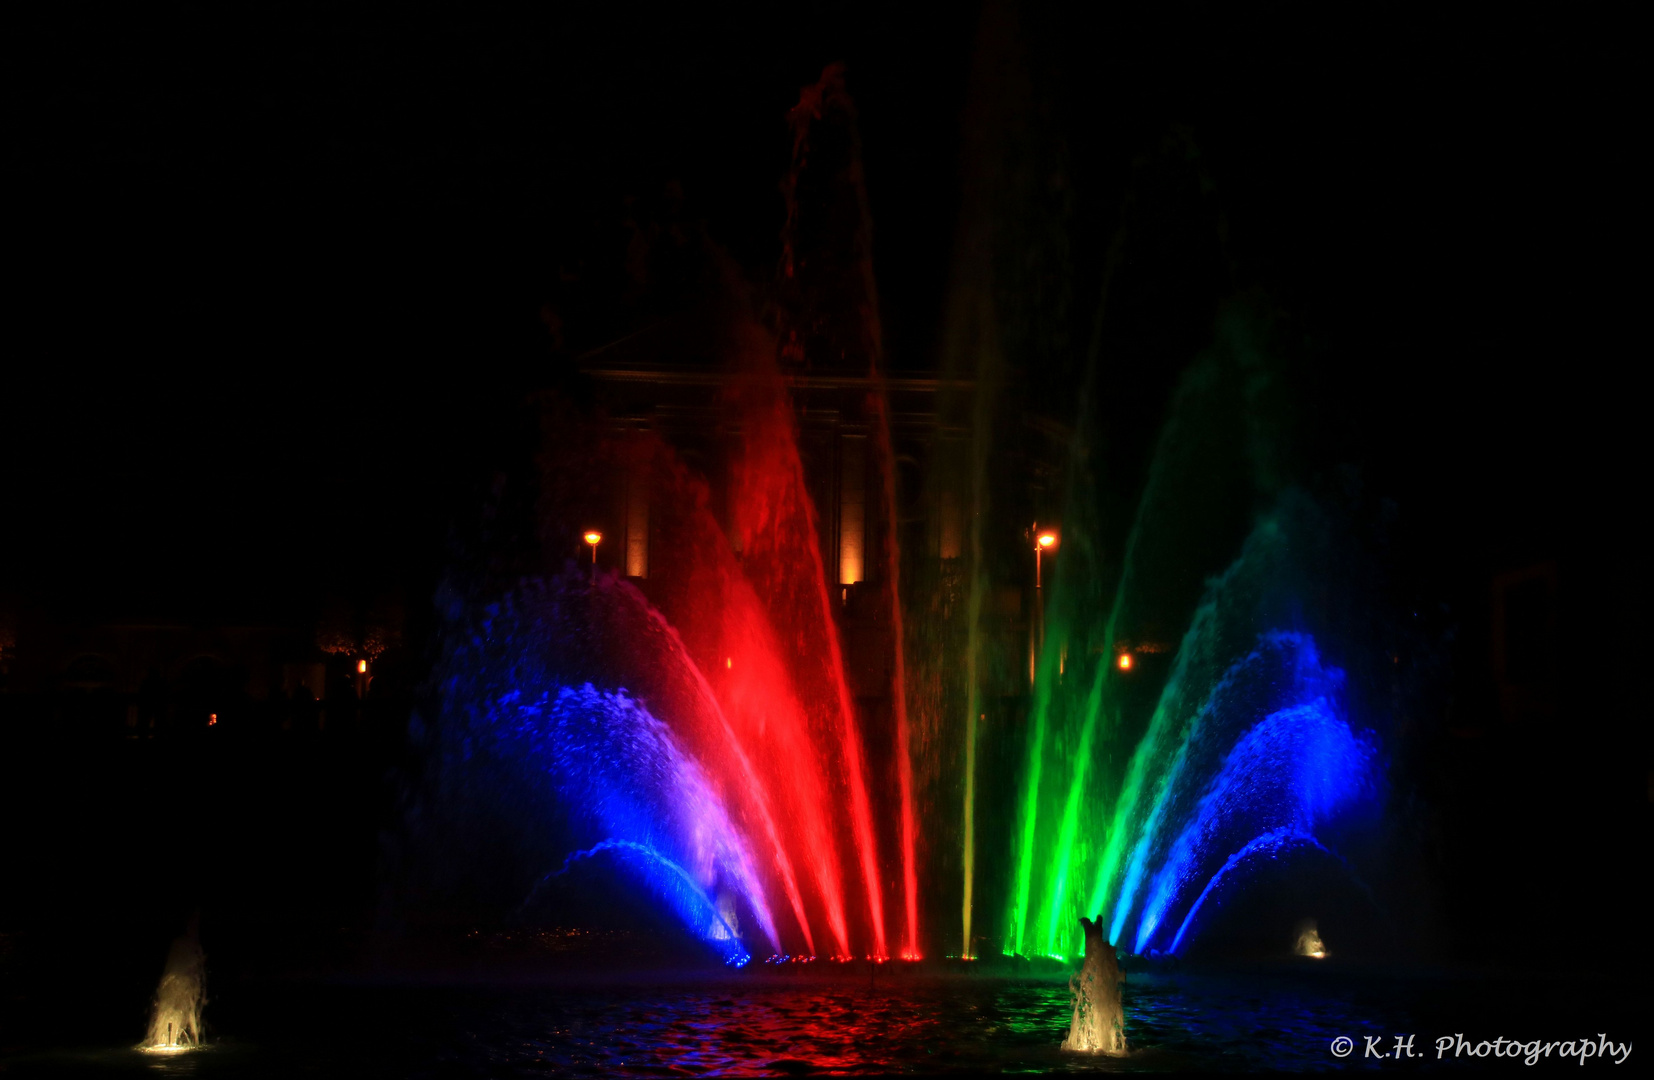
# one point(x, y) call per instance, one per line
point(1177, 1022)
point(776, 1024)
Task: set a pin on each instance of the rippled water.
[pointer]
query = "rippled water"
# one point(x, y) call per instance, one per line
point(754, 1024)
point(919, 1027)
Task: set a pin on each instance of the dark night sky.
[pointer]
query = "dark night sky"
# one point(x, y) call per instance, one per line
point(278, 278)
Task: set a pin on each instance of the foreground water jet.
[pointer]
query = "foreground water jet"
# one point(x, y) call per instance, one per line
point(1309, 942)
point(1098, 1023)
point(175, 1020)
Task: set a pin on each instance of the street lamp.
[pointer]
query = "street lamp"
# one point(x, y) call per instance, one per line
point(594, 538)
point(1044, 542)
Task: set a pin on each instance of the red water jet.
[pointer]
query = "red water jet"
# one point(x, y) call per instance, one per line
point(838, 307)
point(776, 524)
point(718, 735)
point(758, 741)
point(904, 762)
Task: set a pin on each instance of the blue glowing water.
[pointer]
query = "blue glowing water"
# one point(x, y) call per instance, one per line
point(1250, 751)
point(1293, 769)
point(687, 898)
point(1269, 843)
point(621, 774)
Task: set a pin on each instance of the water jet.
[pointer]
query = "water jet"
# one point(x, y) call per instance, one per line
point(175, 1018)
point(1098, 1022)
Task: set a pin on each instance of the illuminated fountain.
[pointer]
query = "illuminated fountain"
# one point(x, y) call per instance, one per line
point(625, 788)
point(175, 1021)
point(1309, 942)
point(697, 730)
point(1250, 752)
point(694, 729)
point(730, 774)
point(1098, 1023)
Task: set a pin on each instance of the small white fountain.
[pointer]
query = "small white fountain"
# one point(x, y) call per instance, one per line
point(175, 1023)
point(1309, 942)
point(1098, 1026)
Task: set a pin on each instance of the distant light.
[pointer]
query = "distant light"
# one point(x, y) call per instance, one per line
point(212, 718)
point(594, 538)
point(1047, 539)
point(361, 667)
point(1125, 661)
point(729, 662)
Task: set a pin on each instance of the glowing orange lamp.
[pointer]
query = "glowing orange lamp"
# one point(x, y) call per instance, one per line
point(1043, 542)
point(1125, 661)
point(594, 538)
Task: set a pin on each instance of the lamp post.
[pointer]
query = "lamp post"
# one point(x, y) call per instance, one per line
point(594, 538)
point(1044, 540)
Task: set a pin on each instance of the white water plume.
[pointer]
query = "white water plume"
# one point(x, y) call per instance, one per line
point(1309, 942)
point(175, 1022)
